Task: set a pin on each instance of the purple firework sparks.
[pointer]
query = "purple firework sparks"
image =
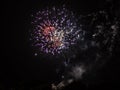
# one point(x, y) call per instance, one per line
point(54, 30)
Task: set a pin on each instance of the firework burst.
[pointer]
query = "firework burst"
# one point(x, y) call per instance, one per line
point(54, 30)
point(85, 43)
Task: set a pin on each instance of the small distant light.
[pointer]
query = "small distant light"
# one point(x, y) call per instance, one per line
point(35, 54)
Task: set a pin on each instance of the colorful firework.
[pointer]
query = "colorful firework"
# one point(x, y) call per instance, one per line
point(54, 30)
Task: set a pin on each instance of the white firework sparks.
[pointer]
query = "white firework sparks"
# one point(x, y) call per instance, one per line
point(54, 30)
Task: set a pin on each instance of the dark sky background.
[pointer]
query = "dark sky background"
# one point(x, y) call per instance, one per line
point(19, 67)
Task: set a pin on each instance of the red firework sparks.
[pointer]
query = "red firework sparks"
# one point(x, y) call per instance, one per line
point(49, 33)
point(47, 30)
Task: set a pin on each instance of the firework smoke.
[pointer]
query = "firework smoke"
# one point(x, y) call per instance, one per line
point(77, 72)
point(96, 48)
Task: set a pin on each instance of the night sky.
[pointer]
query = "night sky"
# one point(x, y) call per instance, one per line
point(21, 69)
